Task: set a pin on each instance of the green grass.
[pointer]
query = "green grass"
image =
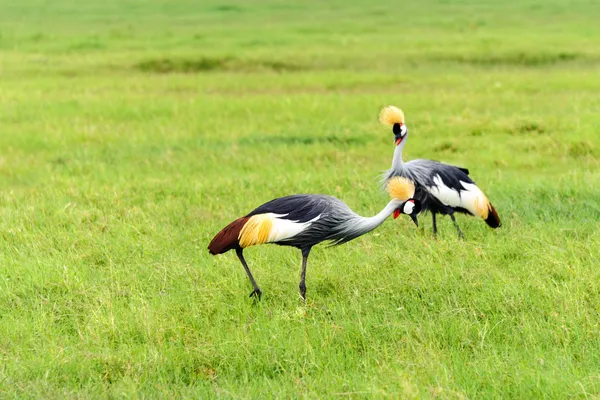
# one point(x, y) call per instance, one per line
point(132, 132)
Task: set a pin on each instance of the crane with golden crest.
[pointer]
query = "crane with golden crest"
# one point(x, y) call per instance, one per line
point(441, 188)
point(305, 220)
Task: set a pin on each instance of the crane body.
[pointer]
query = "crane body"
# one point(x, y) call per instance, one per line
point(441, 188)
point(305, 220)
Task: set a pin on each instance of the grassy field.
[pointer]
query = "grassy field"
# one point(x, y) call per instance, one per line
point(132, 131)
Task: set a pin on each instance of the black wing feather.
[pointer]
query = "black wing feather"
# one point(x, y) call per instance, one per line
point(298, 207)
point(423, 172)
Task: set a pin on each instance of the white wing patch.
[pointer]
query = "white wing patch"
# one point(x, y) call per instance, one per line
point(443, 193)
point(285, 228)
point(470, 197)
point(474, 200)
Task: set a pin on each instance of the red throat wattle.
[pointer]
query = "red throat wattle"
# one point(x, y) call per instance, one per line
point(396, 213)
point(398, 141)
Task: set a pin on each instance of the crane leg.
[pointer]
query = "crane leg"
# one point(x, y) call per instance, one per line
point(460, 234)
point(256, 292)
point(302, 286)
point(434, 224)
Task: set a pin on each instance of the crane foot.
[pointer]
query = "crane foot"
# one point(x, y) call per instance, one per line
point(256, 293)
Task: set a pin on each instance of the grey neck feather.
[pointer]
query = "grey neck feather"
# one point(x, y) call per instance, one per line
point(362, 225)
point(397, 163)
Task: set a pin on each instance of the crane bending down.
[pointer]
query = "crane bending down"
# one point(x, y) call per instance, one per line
point(441, 188)
point(305, 220)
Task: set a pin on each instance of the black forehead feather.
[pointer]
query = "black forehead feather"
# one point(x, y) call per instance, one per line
point(396, 128)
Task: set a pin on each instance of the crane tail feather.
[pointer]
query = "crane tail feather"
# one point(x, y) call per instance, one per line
point(227, 238)
point(493, 219)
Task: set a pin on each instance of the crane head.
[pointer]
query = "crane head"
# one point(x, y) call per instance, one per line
point(410, 207)
point(394, 117)
point(400, 132)
point(402, 190)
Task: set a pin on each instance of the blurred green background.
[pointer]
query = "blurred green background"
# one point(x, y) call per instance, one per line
point(132, 131)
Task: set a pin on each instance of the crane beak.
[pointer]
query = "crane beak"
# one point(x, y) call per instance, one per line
point(414, 218)
point(396, 213)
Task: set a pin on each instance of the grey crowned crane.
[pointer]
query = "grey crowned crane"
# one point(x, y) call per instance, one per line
point(304, 220)
point(441, 188)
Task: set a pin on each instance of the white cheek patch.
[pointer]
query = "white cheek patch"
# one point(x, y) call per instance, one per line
point(403, 130)
point(409, 206)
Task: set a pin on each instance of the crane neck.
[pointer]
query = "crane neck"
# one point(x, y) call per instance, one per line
point(397, 163)
point(367, 224)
